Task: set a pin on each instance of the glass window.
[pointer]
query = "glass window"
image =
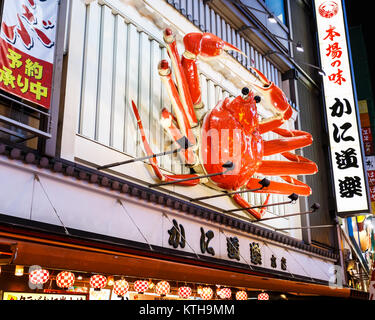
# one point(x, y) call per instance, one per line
point(277, 8)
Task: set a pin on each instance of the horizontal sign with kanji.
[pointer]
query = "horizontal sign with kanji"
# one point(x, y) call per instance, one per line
point(343, 120)
point(27, 48)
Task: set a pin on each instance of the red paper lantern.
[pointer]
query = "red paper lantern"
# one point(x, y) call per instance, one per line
point(224, 293)
point(241, 295)
point(162, 288)
point(184, 292)
point(207, 293)
point(121, 287)
point(263, 296)
point(39, 276)
point(141, 286)
point(65, 279)
point(98, 281)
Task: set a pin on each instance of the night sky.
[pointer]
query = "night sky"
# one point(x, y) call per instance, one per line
point(358, 14)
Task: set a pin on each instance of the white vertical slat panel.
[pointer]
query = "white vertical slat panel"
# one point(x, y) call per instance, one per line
point(166, 161)
point(204, 91)
point(211, 94)
point(207, 18)
point(234, 42)
point(218, 94)
point(213, 21)
point(144, 84)
point(131, 89)
point(196, 12)
point(252, 56)
point(104, 103)
point(76, 44)
point(119, 79)
point(218, 26)
point(248, 54)
point(90, 71)
point(76, 54)
point(223, 30)
point(155, 97)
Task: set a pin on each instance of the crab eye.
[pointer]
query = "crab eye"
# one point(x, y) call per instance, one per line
point(245, 91)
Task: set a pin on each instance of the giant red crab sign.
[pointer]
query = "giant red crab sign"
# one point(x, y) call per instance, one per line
point(228, 133)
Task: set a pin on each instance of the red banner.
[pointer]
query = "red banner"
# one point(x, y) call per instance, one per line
point(366, 135)
point(27, 45)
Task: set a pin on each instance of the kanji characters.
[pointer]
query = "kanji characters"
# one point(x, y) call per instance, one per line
point(337, 137)
point(350, 186)
point(204, 241)
point(338, 108)
point(347, 159)
point(33, 69)
point(177, 235)
point(233, 248)
point(337, 77)
point(331, 33)
point(14, 58)
point(7, 77)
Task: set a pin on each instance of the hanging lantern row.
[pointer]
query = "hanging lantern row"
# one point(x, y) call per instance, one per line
point(241, 295)
point(224, 293)
point(163, 288)
point(121, 287)
point(98, 281)
point(184, 292)
point(39, 276)
point(66, 279)
point(141, 286)
point(207, 293)
point(263, 296)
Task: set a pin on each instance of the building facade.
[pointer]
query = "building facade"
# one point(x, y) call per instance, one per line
point(60, 210)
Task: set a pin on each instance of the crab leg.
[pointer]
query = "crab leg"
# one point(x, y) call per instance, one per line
point(182, 119)
point(182, 84)
point(167, 121)
point(244, 204)
point(291, 185)
point(153, 161)
point(293, 140)
point(300, 165)
point(205, 45)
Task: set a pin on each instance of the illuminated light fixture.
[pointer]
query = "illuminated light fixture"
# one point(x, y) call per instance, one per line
point(264, 184)
point(65, 279)
point(98, 282)
point(224, 293)
point(241, 295)
point(162, 288)
point(314, 208)
point(18, 271)
point(319, 69)
point(182, 142)
point(297, 44)
point(111, 281)
point(141, 286)
point(271, 18)
point(79, 277)
point(228, 166)
point(293, 198)
point(39, 276)
point(121, 287)
point(207, 293)
point(184, 292)
point(263, 296)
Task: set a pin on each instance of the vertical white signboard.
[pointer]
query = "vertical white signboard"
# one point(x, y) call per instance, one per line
point(349, 176)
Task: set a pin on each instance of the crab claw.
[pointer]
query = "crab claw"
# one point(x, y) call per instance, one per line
point(274, 98)
point(206, 45)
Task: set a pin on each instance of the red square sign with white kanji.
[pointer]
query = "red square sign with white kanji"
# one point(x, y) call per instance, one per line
point(27, 48)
